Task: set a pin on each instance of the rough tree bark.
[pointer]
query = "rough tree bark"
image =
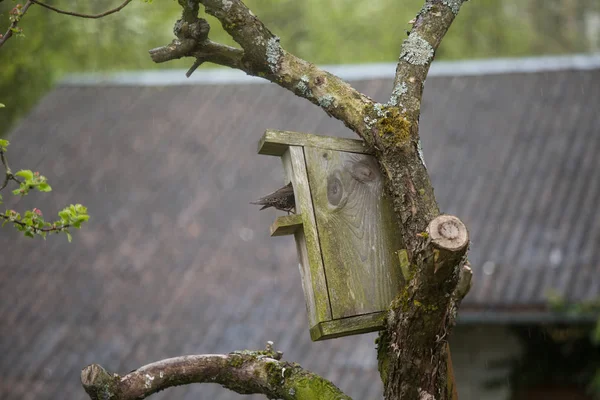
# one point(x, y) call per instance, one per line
point(413, 353)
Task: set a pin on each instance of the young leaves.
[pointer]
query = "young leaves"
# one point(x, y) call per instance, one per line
point(32, 222)
point(32, 180)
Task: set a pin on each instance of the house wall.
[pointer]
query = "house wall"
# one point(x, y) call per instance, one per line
point(481, 355)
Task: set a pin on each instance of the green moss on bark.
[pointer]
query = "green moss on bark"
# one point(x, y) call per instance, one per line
point(390, 125)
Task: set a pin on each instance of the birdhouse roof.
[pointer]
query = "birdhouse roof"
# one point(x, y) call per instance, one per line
point(175, 261)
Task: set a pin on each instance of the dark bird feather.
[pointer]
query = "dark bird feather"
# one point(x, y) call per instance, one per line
point(281, 199)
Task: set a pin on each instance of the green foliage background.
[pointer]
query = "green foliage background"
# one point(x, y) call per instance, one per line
point(322, 31)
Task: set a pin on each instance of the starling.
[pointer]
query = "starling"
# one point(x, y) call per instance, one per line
point(281, 199)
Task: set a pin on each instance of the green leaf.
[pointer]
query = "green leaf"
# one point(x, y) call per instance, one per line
point(64, 216)
point(2, 105)
point(44, 187)
point(4, 144)
point(25, 174)
point(16, 192)
point(69, 237)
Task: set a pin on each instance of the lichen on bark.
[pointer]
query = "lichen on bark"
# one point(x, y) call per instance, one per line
point(416, 50)
point(454, 5)
point(273, 54)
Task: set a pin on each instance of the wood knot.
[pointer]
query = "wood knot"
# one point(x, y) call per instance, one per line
point(197, 30)
point(448, 232)
point(363, 172)
point(335, 190)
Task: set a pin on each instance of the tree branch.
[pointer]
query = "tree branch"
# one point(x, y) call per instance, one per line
point(244, 372)
point(418, 51)
point(10, 217)
point(262, 55)
point(22, 10)
point(80, 15)
point(208, 51)
point(13, 26)
point(8, 175)
point(428, 305)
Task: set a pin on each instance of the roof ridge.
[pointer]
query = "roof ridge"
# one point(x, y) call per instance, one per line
point(349, 72)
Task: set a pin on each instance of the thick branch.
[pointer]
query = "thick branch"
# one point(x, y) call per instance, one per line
point(418, 51)
point(262, 55)
point(413, 352)
point(401, 156)
point(207, 51)
point(245, 372)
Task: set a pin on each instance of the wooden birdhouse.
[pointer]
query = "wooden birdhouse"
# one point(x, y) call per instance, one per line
point(345, 231)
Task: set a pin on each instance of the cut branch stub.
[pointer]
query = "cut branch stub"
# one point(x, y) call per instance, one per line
point(448, 233)
point(450, 239)
point(98, 383)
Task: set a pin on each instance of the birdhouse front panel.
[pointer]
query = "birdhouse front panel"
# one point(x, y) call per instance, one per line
point(356, 228)
point(345, 231)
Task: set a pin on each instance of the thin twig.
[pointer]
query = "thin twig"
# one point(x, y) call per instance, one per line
point(36, 230)
point(9, 175)
point(196, 64)
point(74, 14)
point(14, 24)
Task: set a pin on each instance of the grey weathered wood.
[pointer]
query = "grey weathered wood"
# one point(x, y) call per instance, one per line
point(307, 240)
point(275, 143)
point(356, 226)
point(286, 225)
point(349, 260)
point(348, 326)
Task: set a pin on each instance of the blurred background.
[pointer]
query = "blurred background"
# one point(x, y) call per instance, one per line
point(57, 44)
point(175, 261)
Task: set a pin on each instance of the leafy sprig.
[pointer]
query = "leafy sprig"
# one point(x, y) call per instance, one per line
point(32, 222)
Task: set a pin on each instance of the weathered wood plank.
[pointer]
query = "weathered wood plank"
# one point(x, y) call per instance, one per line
point(275, 143)
point(307, 241)
point(356, 226)
point(348, 326)
point(286, 225)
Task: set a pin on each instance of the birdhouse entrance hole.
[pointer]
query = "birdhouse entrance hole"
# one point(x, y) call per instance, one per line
point(345, 230)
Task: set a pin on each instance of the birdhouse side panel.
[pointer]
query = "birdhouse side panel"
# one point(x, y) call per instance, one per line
point(307, 240)
point(357, 231)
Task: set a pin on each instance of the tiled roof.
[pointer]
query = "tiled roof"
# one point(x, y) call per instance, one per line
point(175, 261)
